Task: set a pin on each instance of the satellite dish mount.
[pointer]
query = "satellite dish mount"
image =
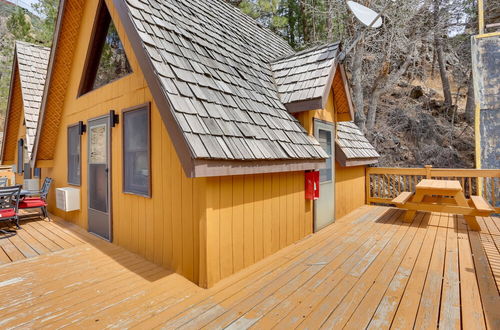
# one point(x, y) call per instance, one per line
point(366, 16)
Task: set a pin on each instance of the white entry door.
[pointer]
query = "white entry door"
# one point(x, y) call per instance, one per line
point(324, 206)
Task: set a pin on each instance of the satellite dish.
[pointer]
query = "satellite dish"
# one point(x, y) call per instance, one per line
point(365, 15)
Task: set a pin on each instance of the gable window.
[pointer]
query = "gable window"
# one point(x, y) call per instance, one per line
point(74, 159)
point(106, 59)
point(136, 151)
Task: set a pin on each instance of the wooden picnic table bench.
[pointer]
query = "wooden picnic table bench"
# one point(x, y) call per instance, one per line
point(445, 196)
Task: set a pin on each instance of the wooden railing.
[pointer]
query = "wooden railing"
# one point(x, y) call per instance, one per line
point(385, 183)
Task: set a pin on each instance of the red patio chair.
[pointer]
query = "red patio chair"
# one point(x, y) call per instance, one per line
point(38, 202)
point(9, 203)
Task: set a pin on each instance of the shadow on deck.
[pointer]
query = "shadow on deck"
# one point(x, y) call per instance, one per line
point(367, 269)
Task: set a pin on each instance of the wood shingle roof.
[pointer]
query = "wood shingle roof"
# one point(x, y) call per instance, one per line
point(304, 78)
point(213, 63)
point(351, 146)
point(212, 72)
point(32, 61)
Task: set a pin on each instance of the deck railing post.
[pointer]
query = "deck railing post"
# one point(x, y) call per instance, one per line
point(368, 190)
point(428, 169)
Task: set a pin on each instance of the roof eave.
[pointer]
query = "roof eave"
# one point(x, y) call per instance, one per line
point(345, 161)
point(211, 168)
point(304, 105)
point(41, 115)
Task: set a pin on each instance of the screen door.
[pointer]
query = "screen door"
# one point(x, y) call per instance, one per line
point(99, 177)
point(324, 206)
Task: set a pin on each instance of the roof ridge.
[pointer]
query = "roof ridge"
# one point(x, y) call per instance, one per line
point(257, 23)
point(305, 51)
point(33, 45)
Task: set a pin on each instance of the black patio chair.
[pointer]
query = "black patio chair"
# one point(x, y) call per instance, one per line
point(9, 206)
point(38, 202)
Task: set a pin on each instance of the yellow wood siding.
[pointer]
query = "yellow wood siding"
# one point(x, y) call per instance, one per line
point(349, 189)
point(14, 122)
point(251, 217)
point(306, 118)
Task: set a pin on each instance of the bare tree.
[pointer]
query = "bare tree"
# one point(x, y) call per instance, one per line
point(438, 44)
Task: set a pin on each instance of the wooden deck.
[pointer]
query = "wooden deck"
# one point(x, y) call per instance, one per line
point(36, 237)
point(369, 269)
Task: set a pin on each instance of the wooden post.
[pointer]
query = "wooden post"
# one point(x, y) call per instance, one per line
point(480, 15)
point(428, 169)
point(368, 194)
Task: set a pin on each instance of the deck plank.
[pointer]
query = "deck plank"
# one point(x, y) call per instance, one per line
point(10, 249)
point(390, 283)
point(488, 289)
point(428, 311)
point(449, 316)
point(471, 311)
point(408, 307)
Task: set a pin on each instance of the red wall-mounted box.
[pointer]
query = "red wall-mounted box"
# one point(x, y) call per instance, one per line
point(312, 185)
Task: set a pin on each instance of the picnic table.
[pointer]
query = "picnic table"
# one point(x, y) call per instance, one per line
point(445, 196)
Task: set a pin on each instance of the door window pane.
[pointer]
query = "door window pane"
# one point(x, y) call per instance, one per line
point(325, 140)
point(136, 158)
point(74, 174)
point(98, 140)
point(98, 167)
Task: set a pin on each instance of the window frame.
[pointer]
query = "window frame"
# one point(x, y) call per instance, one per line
point(96, 45)
point(76, 125)
point(147, 107)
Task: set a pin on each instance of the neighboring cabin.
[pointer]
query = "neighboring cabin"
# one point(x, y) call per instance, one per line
point(189, 130)
point(29, 71)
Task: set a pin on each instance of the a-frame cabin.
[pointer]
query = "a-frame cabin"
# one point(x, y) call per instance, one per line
point(189, 131)
point(29, 71)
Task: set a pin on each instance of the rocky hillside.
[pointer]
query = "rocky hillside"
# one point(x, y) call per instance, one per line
point(414, 129)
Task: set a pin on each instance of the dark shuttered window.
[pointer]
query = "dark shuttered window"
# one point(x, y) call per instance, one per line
point(136, 151)
point(74, 155)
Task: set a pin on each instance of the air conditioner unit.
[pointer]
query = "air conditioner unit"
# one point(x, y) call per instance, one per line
point(68, 199)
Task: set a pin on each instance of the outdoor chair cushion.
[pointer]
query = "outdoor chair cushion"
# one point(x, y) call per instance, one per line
point(31, 203)
point(7, 213)
point(30, 198)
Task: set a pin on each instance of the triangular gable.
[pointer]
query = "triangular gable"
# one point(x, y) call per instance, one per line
point(106, 60)
point(27, 83)
point(342, 96)
point(58, 75)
